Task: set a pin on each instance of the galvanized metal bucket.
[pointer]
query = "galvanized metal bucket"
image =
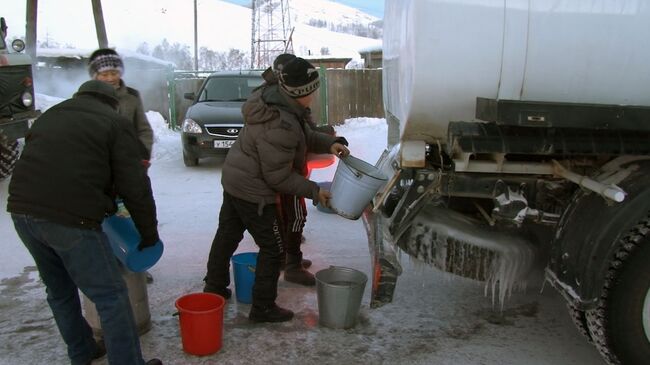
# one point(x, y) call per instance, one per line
point(354, 185)
point(339, 291)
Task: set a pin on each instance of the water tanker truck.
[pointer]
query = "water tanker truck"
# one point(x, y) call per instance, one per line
point(519, 133)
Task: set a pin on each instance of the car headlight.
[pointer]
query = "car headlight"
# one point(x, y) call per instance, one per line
point(18, 45)
point(190, 126)
point(27, 98)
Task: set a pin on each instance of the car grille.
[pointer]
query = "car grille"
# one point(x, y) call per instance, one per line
point(222, 130)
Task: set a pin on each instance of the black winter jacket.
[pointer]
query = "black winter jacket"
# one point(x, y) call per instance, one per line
point(77, 155)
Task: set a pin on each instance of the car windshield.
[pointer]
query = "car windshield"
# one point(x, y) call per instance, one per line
point(234, 88)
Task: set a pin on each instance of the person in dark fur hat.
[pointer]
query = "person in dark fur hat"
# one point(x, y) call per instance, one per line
point(268, 159)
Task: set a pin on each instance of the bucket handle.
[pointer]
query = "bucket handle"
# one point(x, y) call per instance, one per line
point(354, 171)
point(334, 267)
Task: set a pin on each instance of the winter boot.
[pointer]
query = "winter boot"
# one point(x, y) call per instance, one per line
point(224, 292)
point(271, 313)
point(306, 263)
point(100, 351)
point(149, 277)
point(295, 272)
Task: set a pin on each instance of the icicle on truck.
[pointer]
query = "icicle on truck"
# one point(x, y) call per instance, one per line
point(519, 132)
point(17, 110)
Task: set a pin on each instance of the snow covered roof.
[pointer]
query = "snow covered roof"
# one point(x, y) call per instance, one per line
point(371, 48)
point(80, 54)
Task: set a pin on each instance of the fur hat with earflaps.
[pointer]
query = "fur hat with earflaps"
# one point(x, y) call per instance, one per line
point(298, 78)
point(104, 59)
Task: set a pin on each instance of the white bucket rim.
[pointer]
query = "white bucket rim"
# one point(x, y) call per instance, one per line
point(370, 170)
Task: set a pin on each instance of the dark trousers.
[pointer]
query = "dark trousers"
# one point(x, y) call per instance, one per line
point(293, 215)
point(71, 259)
point(235, 217)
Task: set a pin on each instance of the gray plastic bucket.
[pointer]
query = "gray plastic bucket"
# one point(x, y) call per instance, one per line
point(339, 291)
point(354, 185)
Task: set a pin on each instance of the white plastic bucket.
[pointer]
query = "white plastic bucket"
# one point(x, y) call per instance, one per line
point(354, 185)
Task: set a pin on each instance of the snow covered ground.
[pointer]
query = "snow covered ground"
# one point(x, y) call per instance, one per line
point(434, 319)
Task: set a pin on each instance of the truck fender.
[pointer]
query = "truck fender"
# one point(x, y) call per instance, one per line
point(589, 232)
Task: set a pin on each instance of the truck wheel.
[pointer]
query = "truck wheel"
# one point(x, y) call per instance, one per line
point(620, 325)
point(9, 152)
point(190, 160)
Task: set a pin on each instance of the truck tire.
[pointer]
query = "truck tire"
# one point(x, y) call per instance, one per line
point(579, 318)
point(9, 153)
point(620, 324)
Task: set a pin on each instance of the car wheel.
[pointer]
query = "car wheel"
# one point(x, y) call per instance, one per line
point(189, 160)
point(9, 152)
point(620, 325)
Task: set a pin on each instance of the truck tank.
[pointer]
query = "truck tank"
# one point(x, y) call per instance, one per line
point(440, 55)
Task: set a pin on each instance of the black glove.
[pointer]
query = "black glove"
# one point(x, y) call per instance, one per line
point(148, 242)
point(342, 141)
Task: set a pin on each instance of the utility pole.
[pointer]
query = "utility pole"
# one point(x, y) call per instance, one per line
point(196, 39)
point(100, 27)
point(271, 31)
point(30, 27)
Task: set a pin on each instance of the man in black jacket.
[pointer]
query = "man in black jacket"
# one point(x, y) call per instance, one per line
point(77, 155)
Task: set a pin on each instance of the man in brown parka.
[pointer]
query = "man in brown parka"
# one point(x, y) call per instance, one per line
point(267, 159)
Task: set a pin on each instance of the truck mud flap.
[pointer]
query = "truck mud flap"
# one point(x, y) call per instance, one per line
point(385, 266)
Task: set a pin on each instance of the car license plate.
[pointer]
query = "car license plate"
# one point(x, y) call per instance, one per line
point(223, 144)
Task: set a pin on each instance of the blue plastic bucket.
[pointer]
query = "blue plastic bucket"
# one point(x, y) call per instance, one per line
point(125, 238)
point(244, 269)
point(354, 185)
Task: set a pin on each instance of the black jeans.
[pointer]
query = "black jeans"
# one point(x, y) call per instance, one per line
point(235, 217)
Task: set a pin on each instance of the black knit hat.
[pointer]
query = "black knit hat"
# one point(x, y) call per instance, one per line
point(281, 60)
point(104, 59)
point(100, 90)
point(298, 78)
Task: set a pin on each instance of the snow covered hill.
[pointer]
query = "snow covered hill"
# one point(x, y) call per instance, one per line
point(221, 25)
point(304, 11)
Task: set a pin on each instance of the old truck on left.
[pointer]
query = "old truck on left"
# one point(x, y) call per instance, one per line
point(17, 109)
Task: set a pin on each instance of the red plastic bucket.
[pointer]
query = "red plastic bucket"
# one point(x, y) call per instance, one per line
point(201, 321)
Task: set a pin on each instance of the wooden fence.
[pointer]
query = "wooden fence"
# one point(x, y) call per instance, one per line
point(348, 94)
point(343, 94)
